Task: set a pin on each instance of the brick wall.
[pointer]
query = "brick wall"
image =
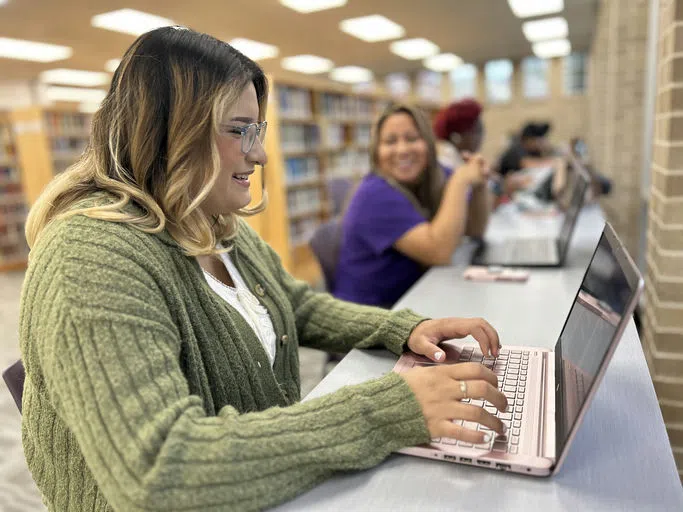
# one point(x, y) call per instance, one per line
point(663, 319)
point(615, 110)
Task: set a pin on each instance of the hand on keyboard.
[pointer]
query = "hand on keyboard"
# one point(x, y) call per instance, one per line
point(439, 391)
point(428, 334)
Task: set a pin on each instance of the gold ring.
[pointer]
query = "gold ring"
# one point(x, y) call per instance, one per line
point(463, 388)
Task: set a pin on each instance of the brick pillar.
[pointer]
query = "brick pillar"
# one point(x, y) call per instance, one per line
point(662, 335)
point(616, 88)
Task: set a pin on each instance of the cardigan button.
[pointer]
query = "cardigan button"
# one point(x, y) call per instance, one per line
point(259, 290)
point(284, 338)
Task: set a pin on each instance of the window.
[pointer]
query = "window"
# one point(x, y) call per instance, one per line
point(464, 81)
point(498, 80)
point(535, 74)
point(574, 73)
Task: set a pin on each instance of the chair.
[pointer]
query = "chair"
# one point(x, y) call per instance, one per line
point(325, 244)
point(338, 190)
point(14, 378)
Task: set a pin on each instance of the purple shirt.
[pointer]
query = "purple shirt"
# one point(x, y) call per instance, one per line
point(370, 271)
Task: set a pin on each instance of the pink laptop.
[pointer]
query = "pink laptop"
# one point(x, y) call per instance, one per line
point(548, 391)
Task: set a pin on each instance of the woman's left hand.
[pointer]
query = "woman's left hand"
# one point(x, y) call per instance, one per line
point(427, 335)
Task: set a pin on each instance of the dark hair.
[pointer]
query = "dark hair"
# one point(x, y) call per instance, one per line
point(535, 130)
point(153, 139)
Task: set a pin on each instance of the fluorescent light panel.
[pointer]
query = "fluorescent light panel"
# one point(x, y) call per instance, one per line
point(74, 77)
point(413, 49)
point(255, 50)
point(75, 94)
point(550, 49)
point(351, 74)
point(306, 6)
point(112, 64)
point(531, 8)
point(372, 28)
point(309, 64)
point(543, 30)
point(21, 49)
point(443, 62)
point(129, 21)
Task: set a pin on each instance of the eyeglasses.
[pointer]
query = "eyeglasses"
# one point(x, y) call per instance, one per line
point(249, 133)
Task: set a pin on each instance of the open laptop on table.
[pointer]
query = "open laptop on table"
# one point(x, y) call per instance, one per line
point(548, 391)
point(537, 252)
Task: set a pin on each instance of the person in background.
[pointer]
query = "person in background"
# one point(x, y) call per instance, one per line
point(528, 151)
point(160, 334)
point(459, 131)
point(407, 214)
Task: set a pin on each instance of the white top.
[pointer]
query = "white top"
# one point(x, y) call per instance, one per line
point(246, 305)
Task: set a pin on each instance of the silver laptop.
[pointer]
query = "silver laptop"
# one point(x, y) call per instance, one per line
point(548, 391)
point(538, 252)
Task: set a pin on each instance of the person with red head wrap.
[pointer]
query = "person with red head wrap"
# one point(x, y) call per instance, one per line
point(459, 129)
point(460, 133)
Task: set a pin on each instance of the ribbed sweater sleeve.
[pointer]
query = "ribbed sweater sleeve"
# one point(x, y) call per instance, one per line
point(109, 354)
point(335, 325)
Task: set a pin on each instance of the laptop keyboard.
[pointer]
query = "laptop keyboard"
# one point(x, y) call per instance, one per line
point(511, 368)
point(530, 249)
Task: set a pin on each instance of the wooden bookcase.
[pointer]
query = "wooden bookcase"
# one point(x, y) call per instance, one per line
point(49, 140)
point(13, 248)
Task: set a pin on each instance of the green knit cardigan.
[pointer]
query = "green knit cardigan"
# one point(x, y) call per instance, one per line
point(146, 391)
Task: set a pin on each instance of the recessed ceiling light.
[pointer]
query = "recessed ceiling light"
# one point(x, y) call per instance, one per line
point(351, 74)
point(112, 64)
point(443, 62)
point(75, 94)
point(529, 8)
point(413, 49)
point(543, 30)
point(129, 21)
point(550, 49)
point(309, 64)
point(372, 28)
point(306, 6)
point(255, 50)
point(21, 49)
point(74, 77)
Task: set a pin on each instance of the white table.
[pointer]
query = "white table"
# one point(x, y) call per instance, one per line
point(620, 459)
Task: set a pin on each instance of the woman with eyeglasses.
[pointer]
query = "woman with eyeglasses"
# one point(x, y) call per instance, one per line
point(160, 333)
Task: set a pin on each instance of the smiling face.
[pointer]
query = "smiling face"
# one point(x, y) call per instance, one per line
point(402, 152)
point(231, 190)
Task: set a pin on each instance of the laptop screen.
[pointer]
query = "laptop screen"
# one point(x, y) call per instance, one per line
point(605, 298)
point(578, 195)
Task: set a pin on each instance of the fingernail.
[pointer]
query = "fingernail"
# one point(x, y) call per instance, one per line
point(487, 438)
point(438, 355)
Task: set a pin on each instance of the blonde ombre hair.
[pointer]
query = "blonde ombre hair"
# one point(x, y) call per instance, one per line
point(153, 142)
point(426, 197)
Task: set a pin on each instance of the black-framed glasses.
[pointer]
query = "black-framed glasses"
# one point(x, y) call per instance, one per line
point(249, 133)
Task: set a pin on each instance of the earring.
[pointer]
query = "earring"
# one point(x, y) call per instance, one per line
point(455, 138)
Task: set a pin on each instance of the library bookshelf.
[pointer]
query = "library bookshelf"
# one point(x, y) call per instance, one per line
point(48, 140)
point(13, 248)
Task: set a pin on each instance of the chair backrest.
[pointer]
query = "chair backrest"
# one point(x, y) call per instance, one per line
point(325, 243)
point(338, 191)
point(14, 378)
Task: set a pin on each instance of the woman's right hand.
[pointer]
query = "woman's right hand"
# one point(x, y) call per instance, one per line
point(475, 170)
point(438, 389)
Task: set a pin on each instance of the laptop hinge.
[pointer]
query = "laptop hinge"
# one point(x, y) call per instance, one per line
point(548, 431)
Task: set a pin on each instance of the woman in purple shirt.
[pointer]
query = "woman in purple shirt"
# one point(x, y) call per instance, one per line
point(407, 214)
